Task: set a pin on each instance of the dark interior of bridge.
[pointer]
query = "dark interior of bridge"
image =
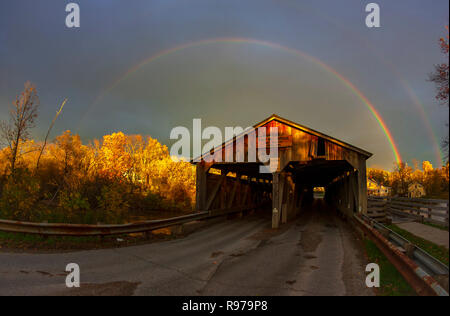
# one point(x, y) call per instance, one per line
point(295, 185)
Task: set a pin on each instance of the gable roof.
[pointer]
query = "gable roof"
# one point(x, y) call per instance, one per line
point(275, 117)
point(308, 130)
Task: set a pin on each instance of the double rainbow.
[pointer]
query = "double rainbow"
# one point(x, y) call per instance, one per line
point(329, 69)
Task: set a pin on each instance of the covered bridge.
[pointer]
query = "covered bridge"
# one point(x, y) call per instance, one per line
point(306, 159)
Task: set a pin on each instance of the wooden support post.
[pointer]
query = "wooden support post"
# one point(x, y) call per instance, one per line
point(345, 194)
point(282, 193)
point(293, 208)
point(284, 213)
point(215, 190)
point(298, 202)
point(200, 199)
point(233, 192)
point(275, 200)
point(362, 186)
point(246, 190)
point(286, 198)
point(223, 193)
point(355, 190)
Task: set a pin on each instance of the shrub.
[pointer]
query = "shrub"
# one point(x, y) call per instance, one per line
point(73, 201)
point(114, 202)
point(145, 201)
point(19, 195)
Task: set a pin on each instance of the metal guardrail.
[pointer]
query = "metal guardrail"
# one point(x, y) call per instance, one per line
point(57, 229)
point(417, 266)
point(419, 255)
point(424, 210)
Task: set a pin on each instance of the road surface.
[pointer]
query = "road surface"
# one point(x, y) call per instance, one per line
point(317, 254)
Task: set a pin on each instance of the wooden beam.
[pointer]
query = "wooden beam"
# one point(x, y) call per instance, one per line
point(355, 190)
point(215, 190)
point(362, 186)
point(284, 213)
point(292, 206)
point(275, 199)
point(233, 191)
point(223, 193)
point(200, 199)
point(247, 188)
point(281, 196)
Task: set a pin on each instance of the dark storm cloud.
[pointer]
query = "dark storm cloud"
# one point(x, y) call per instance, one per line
point(228, 84)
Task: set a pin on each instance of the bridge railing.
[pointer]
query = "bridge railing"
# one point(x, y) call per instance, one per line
point(58, 229)
point(377, 209)
point(424, 210)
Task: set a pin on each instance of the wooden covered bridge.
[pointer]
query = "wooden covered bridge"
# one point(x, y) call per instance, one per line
point(306, 159)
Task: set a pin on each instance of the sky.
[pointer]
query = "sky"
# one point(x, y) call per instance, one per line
point(147, 66)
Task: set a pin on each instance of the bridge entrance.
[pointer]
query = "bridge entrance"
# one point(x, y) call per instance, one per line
point(307, 159)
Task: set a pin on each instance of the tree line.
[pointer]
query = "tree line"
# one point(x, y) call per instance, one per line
point(434, 180)
point(64, 180)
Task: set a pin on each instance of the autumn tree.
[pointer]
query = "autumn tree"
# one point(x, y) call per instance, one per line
point(440, 78)
point(115, 160)
point(69, 152)
point(378, 175)
point(445, 178)
point(152, 162)
point(401, 177)
point(104, 181)
point(417, 173)
point(21, 119)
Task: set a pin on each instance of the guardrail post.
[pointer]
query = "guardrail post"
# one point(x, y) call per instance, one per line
point(44, 236)
point(383, 232)
point(176, 230)
point(409, 248)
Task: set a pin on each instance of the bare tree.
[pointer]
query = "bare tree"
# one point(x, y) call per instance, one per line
point(440, 78)
point(48, 133)
point(21, 119)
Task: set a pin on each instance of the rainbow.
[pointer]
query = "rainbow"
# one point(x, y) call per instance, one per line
point(439, 155)
point(329, 69)
point(431, 134)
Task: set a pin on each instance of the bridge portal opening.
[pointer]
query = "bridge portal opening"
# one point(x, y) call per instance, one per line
point(319, 192)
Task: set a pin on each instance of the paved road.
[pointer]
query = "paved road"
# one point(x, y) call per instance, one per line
point(315, 255)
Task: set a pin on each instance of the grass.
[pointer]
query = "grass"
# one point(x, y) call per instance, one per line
point(19, 242)
point(392, 282)
point(20, 237)
point(26, 241)
point(439, 252)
